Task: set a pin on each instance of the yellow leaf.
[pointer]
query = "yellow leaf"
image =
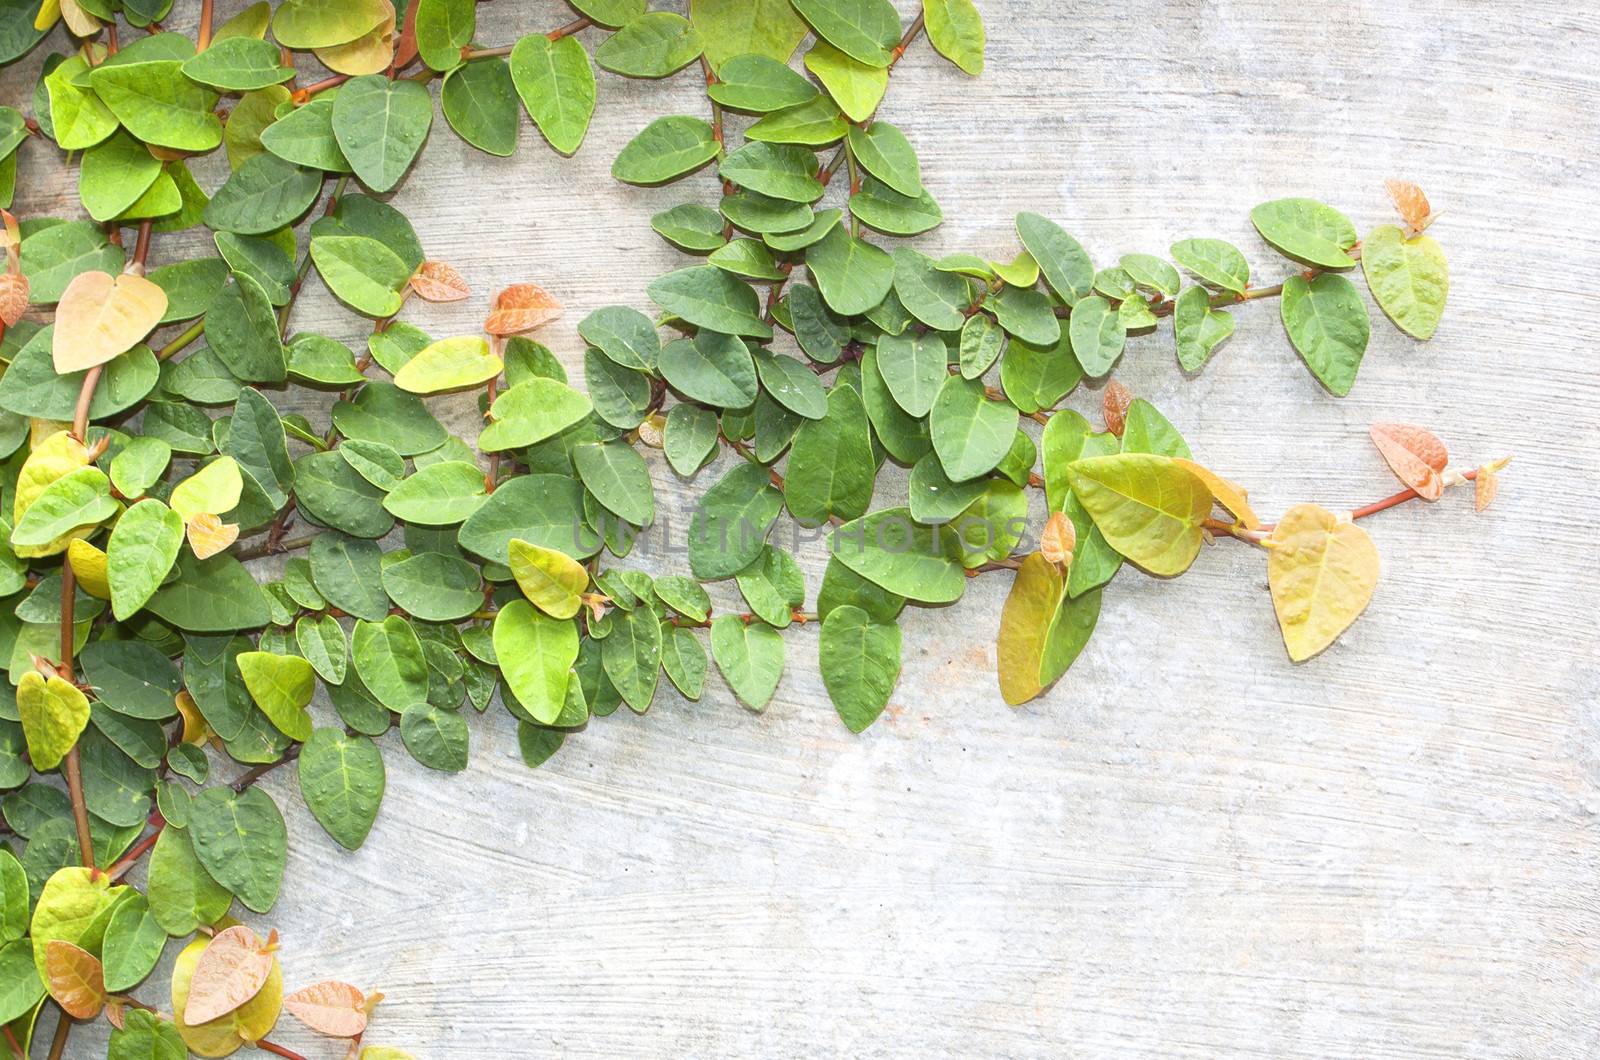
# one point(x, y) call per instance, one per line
point(101, 316)
point(209, 535)
point(1042, 630)
point(1230, 495)
point(49, 14)
point(370, 53)
point(212, 490)
point(195, 727)
point(1416, 456)
point(448, 364)
point(1322, 573)
point(76, 979)
point(550, 579)
point(57, 456)
point(53, 715)
point(1148, 507)
point(89, 567)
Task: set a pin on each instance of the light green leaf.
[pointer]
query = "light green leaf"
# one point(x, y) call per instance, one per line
point(1327, 323)
point(712, 368)
point(144, 544)
point(114, 174)
point(1307, 231)
point(903, 557)
point(611, 13)
point(971, 432)
point(306, 24)
point(321, 641)
point(866, 30)
point(182, 894)
point(550, 579)
point(653, 45)
point(1216, 262)
point(750, 658)
point(1409, 279)
point(955, 29)
point(536, 654)
point(1097, 335)
point(813, 124)
point(441, 494)
point(738, 27)
point(238, 64)
point(78, 118)
point(1064, 262)
point(361, 272)
point(528, 413)
point(1148, 507)
point(852, 274)
point(281, 686)
point(342, 779)
point(855, 86)
point(860, 662)
point(1198, 328)
point(157, 104)
point(479, 101)
point(443, 28)
point(133, 944)
point(381, 126)
point(883, 151)
point(885, 209)
point(556, 84)
point(759, 83)
point(390, 662)
point(449, 364)
point(74, 501)
point(664, 150)
point(780, 171)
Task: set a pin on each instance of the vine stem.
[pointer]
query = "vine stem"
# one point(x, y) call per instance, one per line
point(1258, 535)
point(58, 1044)
point(898, 52)
point(139, 850)
point(16, 1046)
point(305, 261)
point(183, 341)
point(468, 54)
point(278, 1050)
point(266, 548)
point(203, 38)
point(255, 773)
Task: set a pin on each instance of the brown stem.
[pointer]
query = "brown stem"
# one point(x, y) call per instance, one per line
point(302, 94)
point(278, 1050)
point(203, 39)
point(141, 249)
point(255, 773)
point(570, 28)
point(1255, 536)
point(16, 1046)
point(139, 850)
point(80, 416)
point(58, 1044)
point(469, 54)
point(265, 548)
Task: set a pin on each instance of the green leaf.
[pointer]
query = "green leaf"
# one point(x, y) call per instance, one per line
point(384, 413)
point(381, 126)
point(182, 894)
point(1217, 263)
point(241, 328)
point(684, 660)
point(749, 258)
point(443, 28)
point(53, 256)
point(664, 150)
point(263, 195)
point(441, 494)
point(321, 641)
point(884, 152)
point(77, 500)
point(1042, 630)
point(631, 655)
point(335, 494)
point(1151, 272)
point(1038, 377)
point(885, 209)
point(791, 384)
point(1149, 508)
point(77, 117)
point(31, 387)
point(690, 226)
point(993, 525)
point(257, 441)
point(780, 171)
point(1198, 328)
point(730, 525)
point(625, 335)
point(653, 45)
point(616, 475)
point(342, 779)
point(611, 13)
point(903, 557)
point(390, 662)
point(556, 84)
point(1307, 231)
point(347, 572)
point(857, 87)
point(305, 137)
point(1409, 279)
point(435, 737)
point(1064, 262)
point(144, 1036)
point(860, 662)
point(133, 944)
point(157, 104)
point(708, 297)
point(479, 101)
point(307, 24)
point(1026, 314)
point(536, 655)
point(1145, 430)
point(543, 509)
point(114, 174)
point(913, 368)
point(240, 840)
point(866, 30)
point(53, 713)
point(971, 432)
point(831, 470)
point(684, 595)
point(215, 595)
point(759, 83)
point(361, 272)
point(281, 686)
point(955, 29)
point(238, 64)
point(1097, 335)
point(738, 27)
point(530, 412)
point(690, 437)
point(713, 368)
point(773, 586)
point(938, 299)
point(813, 124)
point(750, 658)
point(934, 498)
point(982, 341)
point(852, 274)
point(1327, 323)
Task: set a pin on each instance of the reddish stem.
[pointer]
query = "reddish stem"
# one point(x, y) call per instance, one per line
point(139, 850)
point(278, 1050)
point(570, 28)
point(203, 39)
point(141, 249)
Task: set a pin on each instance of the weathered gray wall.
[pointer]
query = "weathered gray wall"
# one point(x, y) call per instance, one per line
point(1190, 847)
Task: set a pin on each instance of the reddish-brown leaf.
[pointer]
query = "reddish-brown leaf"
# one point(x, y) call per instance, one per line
point(75, 978)
point(435, 281)
point(333, 1008)
point(13, 297)
point(11, 233)
point(521, 307)
point(1411, 202)
point(1058, 539)
point(1114, 406)
point(232, 970)
point(1416, 456)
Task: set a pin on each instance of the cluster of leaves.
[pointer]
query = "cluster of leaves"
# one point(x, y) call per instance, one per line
point(141, 651)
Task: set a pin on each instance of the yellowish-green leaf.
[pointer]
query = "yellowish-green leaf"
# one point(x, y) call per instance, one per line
point(1409, 278)
point(282, 686)
point(213, 489)
point(1322, 573)
point(1042, 630)
point(449, 364)
point(551, 579)
point(1148, 507)
point(53, 714)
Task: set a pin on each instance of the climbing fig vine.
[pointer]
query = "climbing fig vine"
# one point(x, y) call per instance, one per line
point(156, 672)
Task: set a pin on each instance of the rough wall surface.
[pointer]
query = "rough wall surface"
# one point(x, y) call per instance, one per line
point(1190, 847)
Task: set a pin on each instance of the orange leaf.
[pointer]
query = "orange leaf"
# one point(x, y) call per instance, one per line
point(1058, 539)
point(1411, 202)
point(100, 316)
point(1416, 456)
point(333, 1008)
point(521, 307)
point(209, 535)
point(76, 979)
point(1230, 495)
point(11, 241)
point(116, 1013)
point(1114, 406)
point(435, 281)
point(1488, 482)
point(232, 970)
point(13, 297)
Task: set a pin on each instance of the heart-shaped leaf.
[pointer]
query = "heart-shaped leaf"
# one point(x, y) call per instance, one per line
point(53, 714)
point(1322, 573)
point(100, 316)
point(232, 969)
